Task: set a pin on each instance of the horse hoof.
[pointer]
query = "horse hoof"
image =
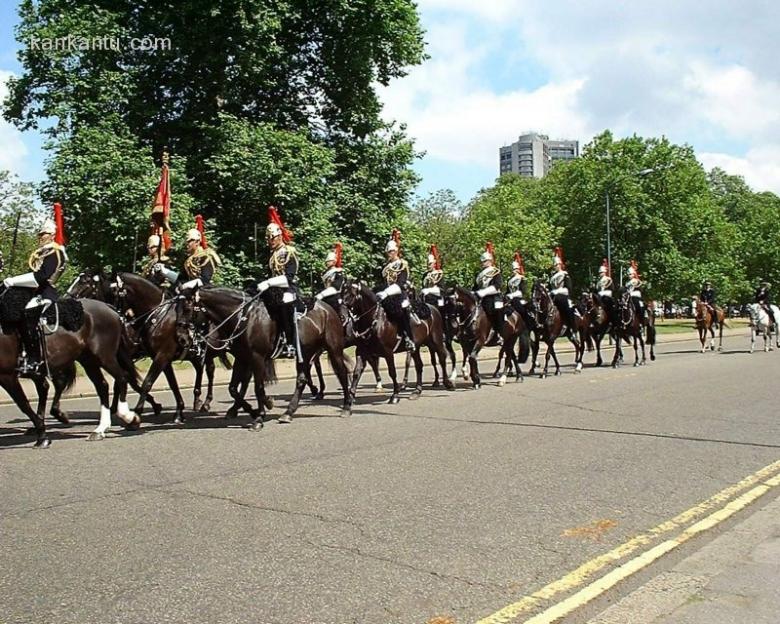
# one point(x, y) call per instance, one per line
point(652, 358)
point(501, 382)
point(435, 384)
point(62, 417)
point(134, 424)
point(196, 406)
point(558, 373)
point(315, 393)
point(42, 444)
point(179, 420)
point(256, 425)
point(377, 388)
point(477, 386)
point(415, 395)
point(231, 413)
point(285, 419)
point(319, 396)
point(268, 402)
point(95, 436)
point(448, 385)
point(394, 399)
point(205, 408)
point(543, 376)
point(345, 413)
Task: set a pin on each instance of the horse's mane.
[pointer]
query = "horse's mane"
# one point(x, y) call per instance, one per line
point(140, 280)
point(465, 293)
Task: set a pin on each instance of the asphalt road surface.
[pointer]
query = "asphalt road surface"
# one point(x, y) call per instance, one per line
point(452, 506)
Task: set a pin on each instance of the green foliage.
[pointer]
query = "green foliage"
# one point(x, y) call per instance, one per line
point(19, 220)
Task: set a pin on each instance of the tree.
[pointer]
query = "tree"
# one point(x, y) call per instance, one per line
point(297, 74)
point(19, 219)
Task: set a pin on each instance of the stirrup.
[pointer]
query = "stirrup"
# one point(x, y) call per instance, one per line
point(288, 352)
point(409, 343)
point(30, 369)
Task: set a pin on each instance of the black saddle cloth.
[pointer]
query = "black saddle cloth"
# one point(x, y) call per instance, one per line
point(395, 312)
point(68, 312)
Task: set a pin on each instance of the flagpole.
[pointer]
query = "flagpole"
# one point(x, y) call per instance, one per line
point(135, 250)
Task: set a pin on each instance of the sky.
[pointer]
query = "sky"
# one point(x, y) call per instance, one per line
point(701, 73)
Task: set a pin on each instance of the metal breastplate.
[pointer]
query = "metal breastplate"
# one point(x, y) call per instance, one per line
point(486, 276)
point(392, 270)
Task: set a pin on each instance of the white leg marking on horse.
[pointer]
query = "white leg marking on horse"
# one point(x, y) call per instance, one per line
point(105, 419)
point(123, 411)
point(502, 381)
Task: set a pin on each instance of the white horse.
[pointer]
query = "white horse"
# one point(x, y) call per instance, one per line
point(760, 323)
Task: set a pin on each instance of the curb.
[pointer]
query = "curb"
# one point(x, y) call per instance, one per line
point(288, 376)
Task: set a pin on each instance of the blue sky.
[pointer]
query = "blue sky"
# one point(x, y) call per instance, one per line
point(569, 69)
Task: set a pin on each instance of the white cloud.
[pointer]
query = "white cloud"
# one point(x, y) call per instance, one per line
point(12, 150)
point(760, 167)
point(703, 76)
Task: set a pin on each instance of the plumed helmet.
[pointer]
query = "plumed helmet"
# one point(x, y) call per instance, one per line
point(391, 246)
point(431, 259)
point(518, 264)
point(48, 227)
point(153, 241)
point(193, 234)
point(489, 253)
point(602, 270)
point(486, 255)
point(331, 257)
point(272, 231)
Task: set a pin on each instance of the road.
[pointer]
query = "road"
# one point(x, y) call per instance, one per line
point(454, 506)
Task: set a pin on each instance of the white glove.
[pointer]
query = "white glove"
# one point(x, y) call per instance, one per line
point(194, 283)
point(26, 280)
point(8, 282)
point(381, 295)
point(263, 286)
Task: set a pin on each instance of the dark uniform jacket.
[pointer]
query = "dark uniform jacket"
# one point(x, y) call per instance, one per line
point(491, 276)
point(201, 264)
point(284, 261)
point(397, 272)
point(708, 296)
point(47, 264)
point(762, 295)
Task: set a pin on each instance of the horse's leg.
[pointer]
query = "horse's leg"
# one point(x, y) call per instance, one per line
point(534, 353)
point(320, 394)
point(210, 369)
point(14, 389)
point(439, 349)
point(360, 364)
point(300, 385)
point(435, 366)
point(712, 338)
point(55, 411)
point(394, 398)
point(453, 359)
point(160, 361)
point(259, 375)
point(197, 364)
point(752, 339)
point(173, 384)
point(239, 380)
point(111, 364)
point(418, 367)
point(342, 374)
point(407, 363)
point(555, 359)
point(474, 366)
point(505, 352)
point(579, 352)
point(720, 334)
point(464, 371)
point(501, 359)
point(92, 369)
point(374, 362)
point(598, 339)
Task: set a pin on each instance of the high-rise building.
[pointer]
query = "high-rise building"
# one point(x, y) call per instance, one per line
point(533, 155)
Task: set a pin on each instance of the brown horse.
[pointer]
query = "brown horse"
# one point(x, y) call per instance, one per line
point(599, 324)
point(631, 326)
point(474, 327)
point(705, 320)
point(243, 325)
point(99, 344)
point(377, 335)
point(551, 326)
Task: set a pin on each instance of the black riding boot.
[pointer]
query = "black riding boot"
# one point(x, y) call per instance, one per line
point(31, 365)
point(771, 313)
point(498, 320)
point(290, 333)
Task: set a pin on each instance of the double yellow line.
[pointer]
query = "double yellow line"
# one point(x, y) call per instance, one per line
point(762, 481)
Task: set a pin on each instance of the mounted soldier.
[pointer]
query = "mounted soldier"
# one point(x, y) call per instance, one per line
point(283, 266)
point(560, 289)
point(431, 292)
point(763, 298)
point(47, 264)
point(487, 287)
point(604, 288)
point(707, 297)
point(156, 255)
point(333, 281)
point(395, 296)
point(202, 261)
point(516, 290)
point(634, 288)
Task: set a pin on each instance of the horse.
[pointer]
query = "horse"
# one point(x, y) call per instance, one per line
point(244, 325)
point(377, 335)
point(100, 343)
point(599, 324)
point(551, 324)
point(154, 324)
point(631, 326)
point(761, 323)
point(474, 327)
point(705, 319)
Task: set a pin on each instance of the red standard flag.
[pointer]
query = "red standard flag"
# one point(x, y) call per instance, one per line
point(161, 208)
point(59, 221)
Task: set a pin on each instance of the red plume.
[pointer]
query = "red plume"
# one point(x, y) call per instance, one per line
point(519, 260)
point(635, 266)
point(558, 251)
point(396, 236)
point(605, 264)
point(437, 258)
point(59, 221)
point(273, 217)
point(201, 225)
point(490, 249)
point(338, 249)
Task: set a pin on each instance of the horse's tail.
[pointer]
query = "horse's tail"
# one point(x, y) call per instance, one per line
point(270, 370)
point(125, 359)
point(525, 347)
point(67, 376)
point(225, 361)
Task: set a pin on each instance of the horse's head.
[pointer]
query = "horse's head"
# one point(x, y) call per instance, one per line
point(185, 310)
point(357, 296)
point(86, 286)
point(540, 296)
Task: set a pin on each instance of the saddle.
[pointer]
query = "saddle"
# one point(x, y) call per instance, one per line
point(65, 313)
